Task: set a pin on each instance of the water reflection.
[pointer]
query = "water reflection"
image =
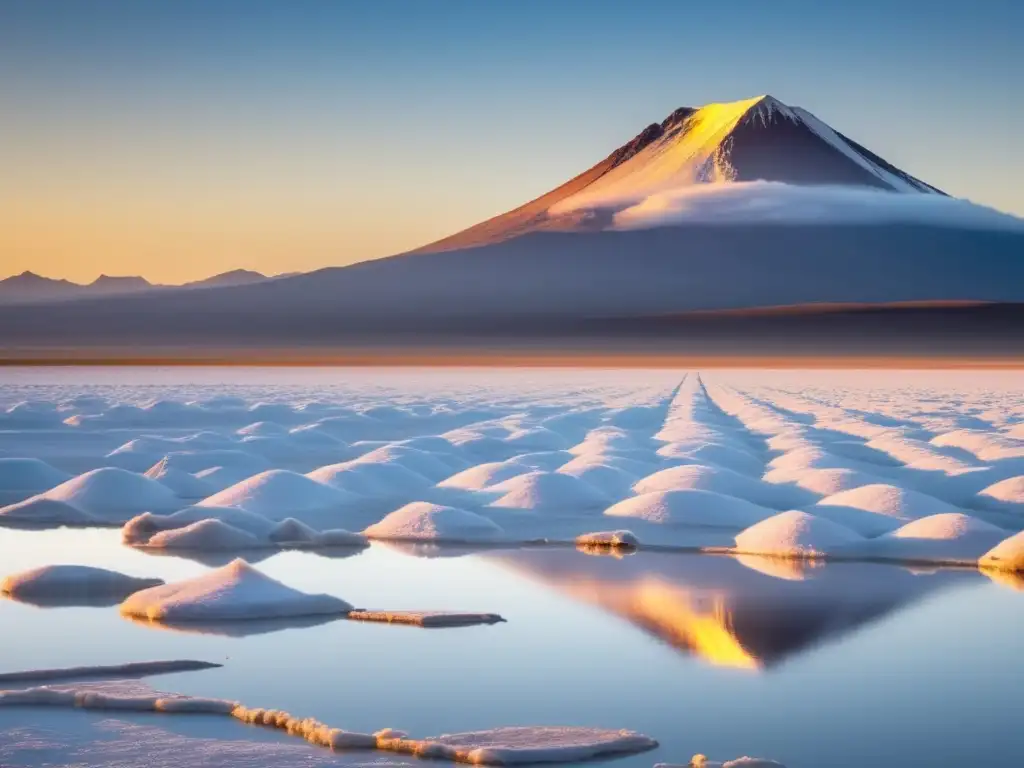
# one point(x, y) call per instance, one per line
point(750, 613)
point(244, 628)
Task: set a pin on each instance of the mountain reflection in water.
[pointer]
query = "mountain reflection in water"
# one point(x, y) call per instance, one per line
point(750, 613)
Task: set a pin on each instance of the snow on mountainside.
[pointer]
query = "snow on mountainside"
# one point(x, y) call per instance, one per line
point(751, 140)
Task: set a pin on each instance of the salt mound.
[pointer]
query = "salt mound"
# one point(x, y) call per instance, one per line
point(279, 493)
point(948, 525)
point(613, 539)
point(724, 481)
point(199, 460)
point(811, 458)
point(142, 527)
point(987, 446)
point(1005, 493)
point(373, 480)
point(418, 461)
point(634, 417)
point(1008, 555)
point(338, 537)
point(114, 495)
point(42, 511)
point(889, 500)
point(421, 521)
point(262, 429)
point(27, 477)
point(138, 454)
point(536, 439)
point(292, 531)
point(794, 534)
point(603, 473)
point(184, 485)
point(210, 535)
point(548, 491)
point(221, 478)
point(715, 453)
point(62, 581)
point(545, 461)
point(691, 507)
point(821, 482)
point(426, 618)
point(940, 539)
point(235, 592)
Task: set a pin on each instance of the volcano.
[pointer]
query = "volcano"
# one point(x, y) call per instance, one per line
point(736, 208)
point(758, 139)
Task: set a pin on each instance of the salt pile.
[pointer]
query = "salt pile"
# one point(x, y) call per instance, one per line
point(422, 521)
point(236, 592)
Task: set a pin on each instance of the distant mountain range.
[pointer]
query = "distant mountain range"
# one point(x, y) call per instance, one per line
point(736, 206)
point(29, 287)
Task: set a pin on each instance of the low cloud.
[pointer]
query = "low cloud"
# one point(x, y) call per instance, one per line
point(769, 202)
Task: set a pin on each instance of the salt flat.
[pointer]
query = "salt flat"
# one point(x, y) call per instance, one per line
point(173, 474)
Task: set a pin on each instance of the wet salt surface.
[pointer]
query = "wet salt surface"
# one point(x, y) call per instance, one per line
point(704, 653)
point(850, 664)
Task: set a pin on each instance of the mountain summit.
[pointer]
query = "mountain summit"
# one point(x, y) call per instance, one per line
point(759, 139)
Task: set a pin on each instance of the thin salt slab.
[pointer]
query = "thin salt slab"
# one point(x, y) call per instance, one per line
point(236, 592)
point(426, 618)
point(523, 745)
point(108, 671)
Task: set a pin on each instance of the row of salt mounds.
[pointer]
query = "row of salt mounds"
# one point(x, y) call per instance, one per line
point(548, 492)
point(878, 508)
point(987, 446)
point(519, 745)
point(106, 495)
point(23, 478)
point(421, 521)
point(228, 528)
point(31, 415)
point(947, 538)
point(1006, 495)
point(234, 592)
point(64, 581)
point(279, 493)
point(727, 482)
point(795, 534)
point(691, 507)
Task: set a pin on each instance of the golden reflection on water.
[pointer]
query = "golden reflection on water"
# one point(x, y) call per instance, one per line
point(1010, 579)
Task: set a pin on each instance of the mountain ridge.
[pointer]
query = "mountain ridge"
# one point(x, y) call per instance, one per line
point(30, 287)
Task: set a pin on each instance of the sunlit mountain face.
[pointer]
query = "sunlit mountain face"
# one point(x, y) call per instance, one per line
point(747, 614)
point(758, 139)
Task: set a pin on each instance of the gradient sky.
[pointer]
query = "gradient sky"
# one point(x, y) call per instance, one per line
point(181, 138)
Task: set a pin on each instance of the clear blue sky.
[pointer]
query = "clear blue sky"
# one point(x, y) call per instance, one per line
point(178, 138)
